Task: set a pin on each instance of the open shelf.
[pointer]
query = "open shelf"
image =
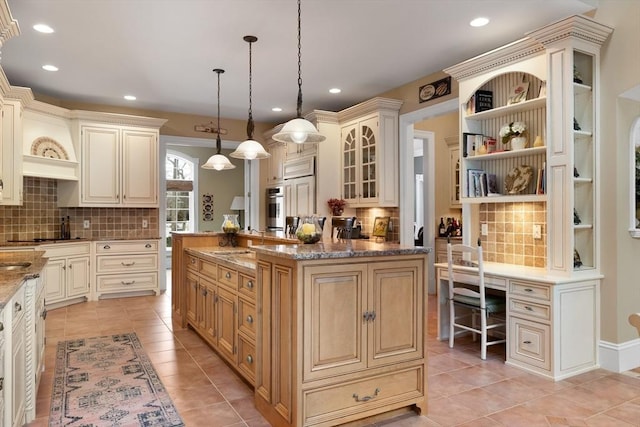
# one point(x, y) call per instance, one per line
point(529, 104)
point(507, 154)
point(504, 198)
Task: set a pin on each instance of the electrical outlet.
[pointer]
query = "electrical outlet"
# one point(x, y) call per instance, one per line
point(145, 223)
point(86, 223)
point(537, 231)
point(484, 229)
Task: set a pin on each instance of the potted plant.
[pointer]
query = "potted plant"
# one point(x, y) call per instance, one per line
point(514, 133)
point(336, 206)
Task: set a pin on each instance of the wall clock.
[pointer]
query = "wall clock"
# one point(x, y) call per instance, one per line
point(47, 147)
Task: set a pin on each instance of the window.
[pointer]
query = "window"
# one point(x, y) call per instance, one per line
point(180, 214)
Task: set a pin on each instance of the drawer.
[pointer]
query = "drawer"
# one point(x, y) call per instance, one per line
point(472, 278)
point(247, 318)
point(247, 358)
point(122, 263)
point(529, 309)
point(228, 277)
point(530, 343)
point(208, 269)
point(336, 402)
point(63, 250)
point(127, 246)
point(192, 262)
point(530, 290)
point(247, 287)
point(127, 282)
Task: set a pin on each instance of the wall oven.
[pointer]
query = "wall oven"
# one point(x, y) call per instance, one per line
point(275, 208)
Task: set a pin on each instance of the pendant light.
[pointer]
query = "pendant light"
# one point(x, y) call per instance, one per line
point(299, 130)
point(250, 149)
point(218, 161)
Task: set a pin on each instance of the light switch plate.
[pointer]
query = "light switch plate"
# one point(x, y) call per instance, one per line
point(86, 223)
point(484, 229)
point(537, 231)
point(145, 223)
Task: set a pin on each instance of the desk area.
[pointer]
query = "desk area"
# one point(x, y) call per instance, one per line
point(552, 321)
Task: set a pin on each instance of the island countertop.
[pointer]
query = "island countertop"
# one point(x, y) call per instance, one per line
point(11, 280)
point(339, 249)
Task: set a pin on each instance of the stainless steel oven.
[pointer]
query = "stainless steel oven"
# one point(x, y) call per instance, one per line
point(275, 208)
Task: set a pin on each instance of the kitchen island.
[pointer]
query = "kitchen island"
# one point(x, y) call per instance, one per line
point(337, 327)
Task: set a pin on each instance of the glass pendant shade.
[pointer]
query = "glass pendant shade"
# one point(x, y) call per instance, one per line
point(299, 131)
point(250, 150)
point(218, 162)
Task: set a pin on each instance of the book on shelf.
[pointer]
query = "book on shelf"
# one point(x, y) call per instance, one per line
point(469, 143)
point(540, 182)
point(481, 184)
point(481, 100)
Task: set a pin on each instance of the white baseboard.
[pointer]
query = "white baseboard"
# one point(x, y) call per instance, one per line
point(620, 357)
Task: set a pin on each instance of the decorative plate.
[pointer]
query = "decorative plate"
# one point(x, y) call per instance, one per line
point(517, 179)
point(47, 147)
point(427, 92)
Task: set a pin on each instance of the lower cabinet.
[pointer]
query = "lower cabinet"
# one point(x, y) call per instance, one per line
point(18, 356)
point(67, 274)
point(355, 328)
point(220, 307)
point(126, 266)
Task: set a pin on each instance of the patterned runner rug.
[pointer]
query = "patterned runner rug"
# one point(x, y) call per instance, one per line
point(108, 381)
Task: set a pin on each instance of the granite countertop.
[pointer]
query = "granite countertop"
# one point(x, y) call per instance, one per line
point(271, 235)
point(11, 280)
point(339, 249)
point(54, 241)
point(241, 258)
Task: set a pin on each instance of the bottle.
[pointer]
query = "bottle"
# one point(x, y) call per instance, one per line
point(442, 229)
point(62, 228)
point(67, 229)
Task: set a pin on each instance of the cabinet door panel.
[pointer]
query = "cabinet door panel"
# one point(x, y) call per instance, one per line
point(349, 163)
point(77, 276)
point(140, 171)
point(396, 333)
point(100, 165)
point(54, 274)
point(333, 320)
point(192, 292)
point(210, 311)
point(227, 324)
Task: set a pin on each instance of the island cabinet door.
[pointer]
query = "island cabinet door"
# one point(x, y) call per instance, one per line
point(192, 284)
point(226, 326)
point(334, 320)
point(209, 307)
point(396, 302)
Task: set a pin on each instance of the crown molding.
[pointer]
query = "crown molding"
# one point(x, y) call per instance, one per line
point(574, 27)
point(117, 119)
point(371, 106)
point(8, 26)
point(22, 94)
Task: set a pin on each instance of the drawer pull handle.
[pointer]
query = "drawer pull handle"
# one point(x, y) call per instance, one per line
point(148, 245)
point(1, 383)
point(249, 359)
point(43, 314)
point(128, 283)
point(366, 398)
point(528, 290)
point(204, 292)
point(106, 247)
point(249, 319)
point(526, 342)
point(128, 264)
point(250, 284)
point(526, 307)
point(228, 275)
point(1, 326)
point(17, 307)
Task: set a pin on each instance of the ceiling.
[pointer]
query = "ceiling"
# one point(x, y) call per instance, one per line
point(163, 51)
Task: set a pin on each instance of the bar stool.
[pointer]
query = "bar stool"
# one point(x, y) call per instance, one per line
point(342, 226)
point(291, 224)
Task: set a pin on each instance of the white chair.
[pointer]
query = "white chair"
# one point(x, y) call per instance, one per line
point(473, 304)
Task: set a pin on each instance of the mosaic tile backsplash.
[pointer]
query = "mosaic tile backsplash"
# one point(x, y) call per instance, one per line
point(510, 239)
point(39, 217)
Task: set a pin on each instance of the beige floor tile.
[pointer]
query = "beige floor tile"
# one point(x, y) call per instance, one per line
point(519, 416)
point(628, 412)
point(216, 415)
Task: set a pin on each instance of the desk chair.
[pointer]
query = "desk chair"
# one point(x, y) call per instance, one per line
point(291, 224)
point(342, 226)
point(321, 221)
point(488, 308)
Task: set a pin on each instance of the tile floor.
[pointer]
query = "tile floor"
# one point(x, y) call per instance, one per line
point(463, 390)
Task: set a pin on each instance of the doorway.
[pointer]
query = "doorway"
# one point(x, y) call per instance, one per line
point(407, 179)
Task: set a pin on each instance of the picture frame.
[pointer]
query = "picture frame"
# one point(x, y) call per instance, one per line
point(434, 90)
point(381, 226)
point(518, 93)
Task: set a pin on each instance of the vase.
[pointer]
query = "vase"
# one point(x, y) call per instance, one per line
point(336, 212)
point(309, 230)
point(518, 143)
point(230, 223)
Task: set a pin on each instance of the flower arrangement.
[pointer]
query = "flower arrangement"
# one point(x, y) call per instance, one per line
point(512, 129)
point(336, 206)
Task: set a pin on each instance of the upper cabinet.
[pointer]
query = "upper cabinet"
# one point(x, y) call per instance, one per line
point(11, 153)
point(369, 157)
point(548, 83)
point(118, 165)
point(275, 163)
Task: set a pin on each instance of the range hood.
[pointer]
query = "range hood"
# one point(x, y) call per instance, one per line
point(48, 150)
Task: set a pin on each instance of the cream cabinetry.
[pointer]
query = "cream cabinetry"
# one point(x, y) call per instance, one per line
point(17, 385)
point(296, 151)
point(3, 358)
point(369, 138)
point(67, 275)
point(125, 266)
point(454, 172)
point(275, 163)
point(220, 306)
point(358, 338)
point(11, 153)
point(300, 196)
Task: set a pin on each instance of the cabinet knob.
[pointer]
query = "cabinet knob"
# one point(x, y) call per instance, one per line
point(1, 383)
point(228, 275)
point(71, 266)
point(249, 359)
point(17, 307)
point(193, 260)
point(148, 245)
point(204, 292)
point(250, 284)
point(249, 319)
point(1, 326)
point(44, 313)
point(106, 247)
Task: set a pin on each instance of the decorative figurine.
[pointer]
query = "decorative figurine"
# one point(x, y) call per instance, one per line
point(575, 172)
point(576, 217)
point(576, 259)
point(576, 126)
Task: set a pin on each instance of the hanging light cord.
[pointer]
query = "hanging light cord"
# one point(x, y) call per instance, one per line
point(218, 140)
point(299, 105)
point(250, 126)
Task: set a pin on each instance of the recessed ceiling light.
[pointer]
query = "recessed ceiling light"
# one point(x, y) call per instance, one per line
point(335, 90)
point(130, 97)
point(43, 28)
point(276, 109)
point(50, 67)
point(479, 22)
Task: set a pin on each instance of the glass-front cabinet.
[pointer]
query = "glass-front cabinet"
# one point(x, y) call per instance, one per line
point(369, 137)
